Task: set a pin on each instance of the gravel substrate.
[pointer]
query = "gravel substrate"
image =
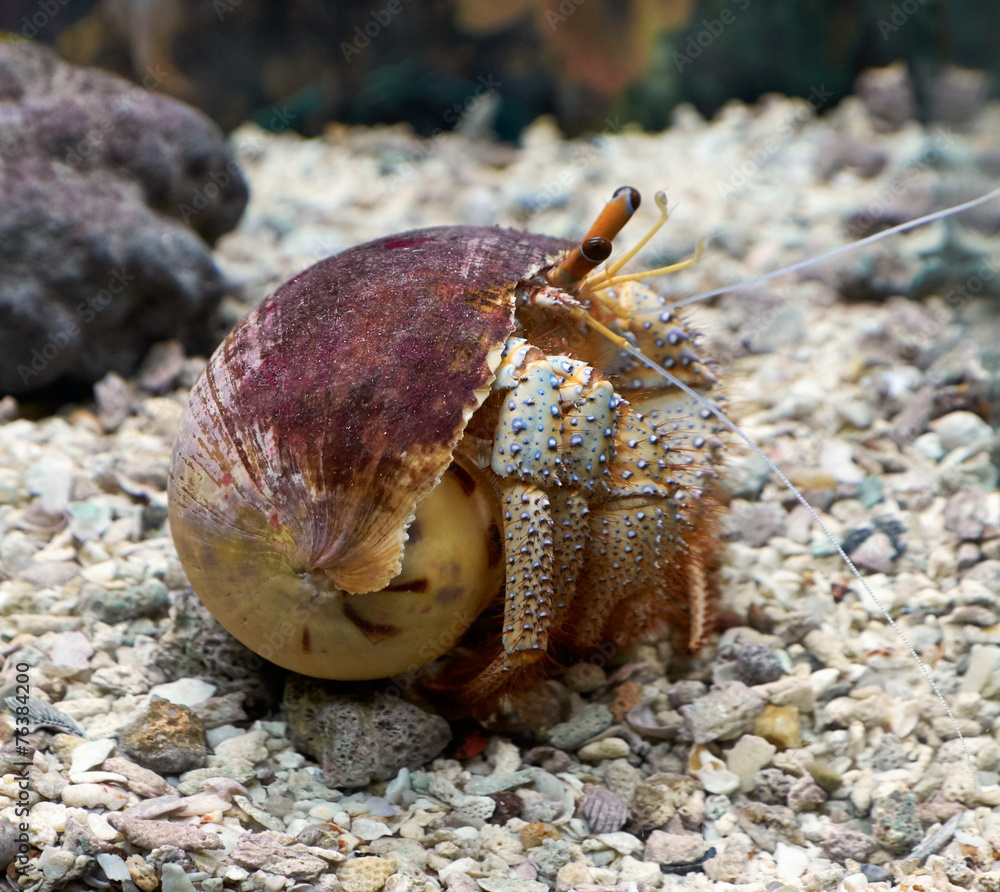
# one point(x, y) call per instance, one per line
point(802, 749)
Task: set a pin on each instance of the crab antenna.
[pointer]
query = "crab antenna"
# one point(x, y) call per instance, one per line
point(843, 249)
point(611, 281)
point(718, 413)
point(591, 251)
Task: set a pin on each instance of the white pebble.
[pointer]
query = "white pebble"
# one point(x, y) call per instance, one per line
point(100, 827)
point(747, 757)
point(790, 862)
point(902, 717)
point(929, 446)
point(723, 781)
point(184, 691)
point(113, 866)
point(635, 871)
point(983, 660)
point(90, 754)
point(854, 883)
point(367, 829)
point(249, 746)
point(175, 880)
point(94, 796)
point(622, 842)
point(98, 777)
point(323, 813)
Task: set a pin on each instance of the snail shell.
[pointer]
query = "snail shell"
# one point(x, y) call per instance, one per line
point(321, 436)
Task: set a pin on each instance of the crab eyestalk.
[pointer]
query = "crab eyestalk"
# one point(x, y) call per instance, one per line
point(596, 245)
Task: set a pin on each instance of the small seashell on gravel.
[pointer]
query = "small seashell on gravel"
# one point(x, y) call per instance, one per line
point(603, 810)
point(621, 842)
point(101, 829)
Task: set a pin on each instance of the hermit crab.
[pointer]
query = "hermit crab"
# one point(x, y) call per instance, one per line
point(438, 449)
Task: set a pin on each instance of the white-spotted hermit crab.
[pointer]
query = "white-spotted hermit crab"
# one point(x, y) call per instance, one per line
point(440, 444)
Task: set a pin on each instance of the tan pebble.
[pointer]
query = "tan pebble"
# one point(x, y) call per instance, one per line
point(779, 725)
point(572, 874)
point(627, 696)
point(143, 873)
point(365, 874)
point(609, 748)
point(533, 835)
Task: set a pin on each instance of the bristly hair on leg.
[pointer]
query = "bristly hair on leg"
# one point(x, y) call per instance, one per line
point(599, 280)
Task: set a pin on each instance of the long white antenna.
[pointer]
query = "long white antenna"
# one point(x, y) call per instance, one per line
point(843, 249)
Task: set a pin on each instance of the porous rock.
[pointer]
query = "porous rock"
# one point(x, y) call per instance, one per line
point(657, 799)
point(110, 195)
point(365, 874)
point(895, 823)
point(277, 853)
point(153, 834)
point(359, 739)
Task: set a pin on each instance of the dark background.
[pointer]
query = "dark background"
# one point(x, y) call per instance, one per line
point(587, 62)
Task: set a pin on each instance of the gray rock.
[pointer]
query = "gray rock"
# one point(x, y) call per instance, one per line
point(727, 711)
point(110, 195)
point(149, 599)
point(757, 664)
point(584, 725)
point(771, 786)
point(767, 825)
point(277, 853)
point(359, 739)
point(988, 573)
point(842, 842)
point(755, 523)
point(673, 848)
point(550, 856)
point(889, 754)
point(966, 514)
